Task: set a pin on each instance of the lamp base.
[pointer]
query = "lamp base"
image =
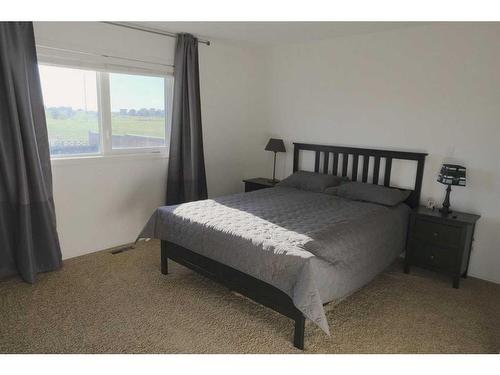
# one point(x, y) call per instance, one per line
point(445, 210)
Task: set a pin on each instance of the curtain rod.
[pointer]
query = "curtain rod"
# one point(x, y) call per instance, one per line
point(149, 30)
point(102, 55)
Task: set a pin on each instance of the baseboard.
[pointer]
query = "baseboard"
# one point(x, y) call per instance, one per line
point(484, 278)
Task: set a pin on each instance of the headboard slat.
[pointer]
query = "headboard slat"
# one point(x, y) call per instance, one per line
point(354, 176)
point(366, 162)
point(325, 162)
point(345, 160)
point(295, 158)
point(388, 167)
point(316, 162)
point(335, 163)
point(376, 170)
point(414, 198)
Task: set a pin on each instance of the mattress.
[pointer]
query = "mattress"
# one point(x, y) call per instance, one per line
point(315, 247)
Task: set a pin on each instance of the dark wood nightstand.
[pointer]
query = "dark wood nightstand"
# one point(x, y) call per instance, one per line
point(440, 243)
point(252, 184)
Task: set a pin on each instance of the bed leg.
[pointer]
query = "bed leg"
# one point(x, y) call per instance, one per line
point(164, 258)
point(298, 336)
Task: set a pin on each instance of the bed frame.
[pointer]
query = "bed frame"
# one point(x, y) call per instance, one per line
point(265, 293)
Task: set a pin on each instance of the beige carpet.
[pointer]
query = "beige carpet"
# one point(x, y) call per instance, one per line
point(103, 303)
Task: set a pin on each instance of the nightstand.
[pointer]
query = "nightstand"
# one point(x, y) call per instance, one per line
point(440, 243)
point(252, 184)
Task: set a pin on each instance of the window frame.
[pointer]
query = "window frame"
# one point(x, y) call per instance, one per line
point(104, 109)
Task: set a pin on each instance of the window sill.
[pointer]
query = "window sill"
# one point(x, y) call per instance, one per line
point(111, 158)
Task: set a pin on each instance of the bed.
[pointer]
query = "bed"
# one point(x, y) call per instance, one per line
point(289, 249)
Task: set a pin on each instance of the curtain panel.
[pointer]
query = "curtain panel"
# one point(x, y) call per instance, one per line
point(186, 180)
point(28, 238)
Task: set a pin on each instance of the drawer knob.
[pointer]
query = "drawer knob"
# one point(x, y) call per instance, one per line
point(435, 234)
point(432, 257)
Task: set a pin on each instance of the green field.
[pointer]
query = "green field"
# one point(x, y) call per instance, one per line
point(77, 127)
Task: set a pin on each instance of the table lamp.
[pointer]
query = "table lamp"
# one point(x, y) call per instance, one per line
point(275, 145)
point(449, 175)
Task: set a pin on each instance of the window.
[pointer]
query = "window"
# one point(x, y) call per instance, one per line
point(91, 112)
point(71, 110)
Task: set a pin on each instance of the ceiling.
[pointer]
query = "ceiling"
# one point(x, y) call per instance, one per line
point(273, 33)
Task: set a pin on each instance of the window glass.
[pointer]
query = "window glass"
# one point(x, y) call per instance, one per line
point(71, 110)
point(137, 111)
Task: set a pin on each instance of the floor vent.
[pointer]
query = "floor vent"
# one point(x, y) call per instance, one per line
point(122, 249)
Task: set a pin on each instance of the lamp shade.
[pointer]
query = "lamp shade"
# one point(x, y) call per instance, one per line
point(275, 145)
point(452, 174)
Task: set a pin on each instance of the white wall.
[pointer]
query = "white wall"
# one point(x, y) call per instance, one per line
point(101, 203)
point(234, 136)
point(105, 202)
point(430, 88)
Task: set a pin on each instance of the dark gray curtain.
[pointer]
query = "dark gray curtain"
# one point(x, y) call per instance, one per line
point(28, 236)
point(186, 180)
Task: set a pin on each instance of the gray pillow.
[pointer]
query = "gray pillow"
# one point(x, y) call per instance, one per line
point(311, 181)
point(359, 191)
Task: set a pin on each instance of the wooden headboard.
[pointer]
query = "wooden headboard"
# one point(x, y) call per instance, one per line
point(360, 156)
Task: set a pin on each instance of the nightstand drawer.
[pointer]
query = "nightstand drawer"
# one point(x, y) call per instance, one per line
point(437, 233)
point(431, 256)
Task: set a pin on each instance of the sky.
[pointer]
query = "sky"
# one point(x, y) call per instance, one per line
point(67, 87)
point(132, 91)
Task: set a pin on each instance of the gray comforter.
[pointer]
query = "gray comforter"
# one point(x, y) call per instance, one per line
point(315, 247)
